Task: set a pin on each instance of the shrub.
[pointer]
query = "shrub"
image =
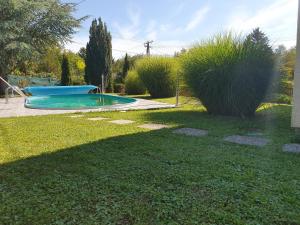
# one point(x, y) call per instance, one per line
point(119, 88)
point(280, 98)
point(230, 76)
point(159, 75)
point(133, 84)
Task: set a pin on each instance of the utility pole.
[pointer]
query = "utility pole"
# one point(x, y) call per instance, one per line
point(147, 46)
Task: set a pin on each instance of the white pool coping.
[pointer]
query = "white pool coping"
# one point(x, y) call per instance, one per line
point(15, 108)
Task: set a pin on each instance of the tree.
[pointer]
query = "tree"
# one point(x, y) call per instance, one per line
point(126, 67)
point(29, 27)
point(65, 71)
point(82, 53)
point(98, 55)
point(50, 61)
point(77, 66)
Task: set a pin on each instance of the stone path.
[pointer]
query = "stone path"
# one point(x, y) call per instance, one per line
point(293, 148)
point(76, 116)
point(97, 118)
point(191, 132)
point(153, 126)
point(246, 140)
point(121, 122)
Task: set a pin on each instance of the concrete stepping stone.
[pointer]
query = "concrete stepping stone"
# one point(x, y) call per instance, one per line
point(293, 148)
point(121, 122)
point(191, 132)
point(97, 118)
point(153, 126)
point(75, 116)
point(246, 140)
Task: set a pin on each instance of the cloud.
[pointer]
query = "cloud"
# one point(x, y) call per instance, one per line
point(198, 17)
point(278, 20)
point(132, 29)
point(151, 30)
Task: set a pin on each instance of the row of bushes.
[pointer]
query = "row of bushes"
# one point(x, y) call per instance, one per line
point(230, 75)
point(157, 75)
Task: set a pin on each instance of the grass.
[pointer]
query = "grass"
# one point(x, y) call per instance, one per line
point(60, 170)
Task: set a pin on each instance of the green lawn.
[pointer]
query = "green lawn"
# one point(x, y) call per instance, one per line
point(60, 170)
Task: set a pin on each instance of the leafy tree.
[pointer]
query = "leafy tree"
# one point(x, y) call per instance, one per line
point(50, 62)
point(65, 71)
point(98, 55)
point(286, 60)
point(82, 53)
point(77, 67)
point(28, 27)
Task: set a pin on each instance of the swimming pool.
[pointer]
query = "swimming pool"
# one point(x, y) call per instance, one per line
point(70, 97)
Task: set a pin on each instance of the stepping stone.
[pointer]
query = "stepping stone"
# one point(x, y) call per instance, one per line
point(293, 148)
point(246, 140)
point(153, 126)
point(191, 132)
point(255, 134)
point(76, 116)
point(121, 121)
point(97, 118)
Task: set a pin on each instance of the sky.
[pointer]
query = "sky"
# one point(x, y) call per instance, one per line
point(177, 24)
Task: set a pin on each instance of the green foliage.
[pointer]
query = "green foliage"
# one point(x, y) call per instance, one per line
point(286, 60)
point(65, 71)
point(50, 62)
point(82, 53)
point(119, 88)
point(29, 27)
point(98, 55)
point(158, 75)
point(133, 84)
point(120, 67)
point(229, 75)
point(281, 98)
point(126, 67)
point(77, 68)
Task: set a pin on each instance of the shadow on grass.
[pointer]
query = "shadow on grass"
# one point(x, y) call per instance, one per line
point(152, 177)
point(119, 180)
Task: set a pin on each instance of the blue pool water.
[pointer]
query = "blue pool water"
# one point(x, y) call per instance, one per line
point(70, 97)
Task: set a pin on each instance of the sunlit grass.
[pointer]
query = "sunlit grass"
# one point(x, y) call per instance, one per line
point(60, 170)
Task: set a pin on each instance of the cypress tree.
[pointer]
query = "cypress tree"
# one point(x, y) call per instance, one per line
point(126, 67)
point(65, 71)
point(98, 55)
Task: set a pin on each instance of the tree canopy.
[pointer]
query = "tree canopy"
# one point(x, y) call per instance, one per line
point(29, 27)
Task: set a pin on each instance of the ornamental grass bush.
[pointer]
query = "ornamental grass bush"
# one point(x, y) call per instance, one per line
point(133, 84)
point(158, 75)
point(230, 75)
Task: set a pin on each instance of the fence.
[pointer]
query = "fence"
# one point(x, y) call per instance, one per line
point(23, 81)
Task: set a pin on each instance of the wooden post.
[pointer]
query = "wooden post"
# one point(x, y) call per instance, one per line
point(296, 90)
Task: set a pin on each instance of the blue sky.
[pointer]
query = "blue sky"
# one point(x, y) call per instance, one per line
point(174, 24)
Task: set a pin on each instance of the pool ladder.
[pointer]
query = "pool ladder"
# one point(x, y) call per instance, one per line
point(12, 89)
